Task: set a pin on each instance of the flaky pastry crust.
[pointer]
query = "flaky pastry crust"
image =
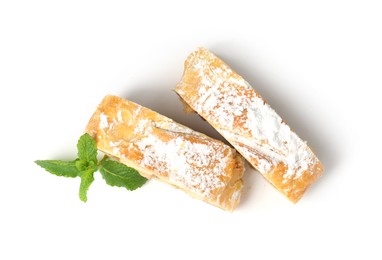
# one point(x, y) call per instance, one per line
point(223, 98)
point(160, 148)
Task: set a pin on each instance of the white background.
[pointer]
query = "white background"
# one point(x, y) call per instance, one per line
point(318, 63)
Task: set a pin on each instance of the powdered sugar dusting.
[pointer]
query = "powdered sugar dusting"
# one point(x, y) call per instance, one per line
point(140, 127)
point(119, 116)
point(229, 101)
point(184, 162)
point(103, 122)
point(235, 196)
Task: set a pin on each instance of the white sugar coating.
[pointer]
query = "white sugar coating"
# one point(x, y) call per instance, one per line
point(229, 100)
point(236, 195)
point(186, 163)
point(103, 123)
point(119, 116)
point(115, 146)
point(140, 127)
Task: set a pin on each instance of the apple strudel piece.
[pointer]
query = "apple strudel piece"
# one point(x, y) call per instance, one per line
point(160, 148)
point(241, 115)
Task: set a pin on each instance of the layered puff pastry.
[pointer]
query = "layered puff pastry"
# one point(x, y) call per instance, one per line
point(223, 98)
point(160, 148)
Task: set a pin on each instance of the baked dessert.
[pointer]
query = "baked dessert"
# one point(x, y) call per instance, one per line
point(243, 117)
point(160, 148)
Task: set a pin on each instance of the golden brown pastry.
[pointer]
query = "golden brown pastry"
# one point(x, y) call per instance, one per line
point(241, 115)
point(160, 148)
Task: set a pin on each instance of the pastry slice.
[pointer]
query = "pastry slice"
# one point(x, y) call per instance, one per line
point(242, 116)
point(160, 148)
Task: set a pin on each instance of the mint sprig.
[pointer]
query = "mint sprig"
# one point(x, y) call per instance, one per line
point(113, 172)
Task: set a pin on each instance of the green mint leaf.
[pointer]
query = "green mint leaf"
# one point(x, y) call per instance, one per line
point(59, 168)
point(87, 178)
point(87, 149)
point(114, 173)
point(118, 174)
